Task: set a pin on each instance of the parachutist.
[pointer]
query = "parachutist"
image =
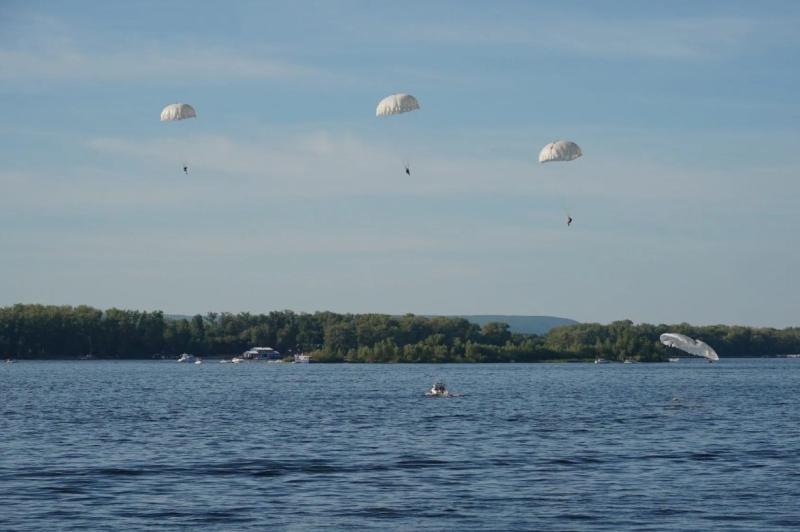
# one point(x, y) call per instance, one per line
point(186, 170)
point(408, 171)
point(569, 221)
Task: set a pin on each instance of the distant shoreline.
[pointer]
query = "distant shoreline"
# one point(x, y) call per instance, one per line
point(42, 332)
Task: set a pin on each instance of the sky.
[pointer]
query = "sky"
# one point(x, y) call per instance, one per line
point(685, 203)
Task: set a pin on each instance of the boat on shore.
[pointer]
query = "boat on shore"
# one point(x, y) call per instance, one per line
point(302, 359)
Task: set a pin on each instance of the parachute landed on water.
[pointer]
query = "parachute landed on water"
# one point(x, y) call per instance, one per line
point(560, 150)
point(689, 345)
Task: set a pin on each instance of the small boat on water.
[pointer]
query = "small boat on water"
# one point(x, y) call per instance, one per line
point(186, 357)
point(600, 361)
point(438, 390)
point(674, 359)
point(302, 359)
point(198, 361)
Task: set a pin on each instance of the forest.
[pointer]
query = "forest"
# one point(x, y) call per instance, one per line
point(48, 332)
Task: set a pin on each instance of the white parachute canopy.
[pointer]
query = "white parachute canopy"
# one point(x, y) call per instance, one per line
point(694, 347)
point(396, 104)
point(177, 111)
point(560, 150)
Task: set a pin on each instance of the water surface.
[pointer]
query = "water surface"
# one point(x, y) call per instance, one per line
point(134, 445)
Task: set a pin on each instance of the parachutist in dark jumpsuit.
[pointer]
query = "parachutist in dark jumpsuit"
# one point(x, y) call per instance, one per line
point(408, 170)
point(186, 170)
point(569, 221)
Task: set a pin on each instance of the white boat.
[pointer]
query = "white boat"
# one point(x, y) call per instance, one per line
point(600, 361)
point(674, 359)
point(186, 357)
point(198, 361)
point(302, 359)
point(237, 360)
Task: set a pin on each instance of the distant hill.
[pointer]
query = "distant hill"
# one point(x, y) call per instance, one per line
point(523, 324)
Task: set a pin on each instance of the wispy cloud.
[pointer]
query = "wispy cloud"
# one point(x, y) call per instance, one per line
point(675, 38)
point(46, 49)
point(74, 64)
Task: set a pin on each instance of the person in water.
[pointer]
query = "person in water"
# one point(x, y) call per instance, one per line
point(569, 220)
point(185, 169)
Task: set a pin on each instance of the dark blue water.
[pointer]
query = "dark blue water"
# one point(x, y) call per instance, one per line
point(135, 445)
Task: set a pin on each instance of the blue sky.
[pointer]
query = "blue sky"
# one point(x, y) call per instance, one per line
point(685, 202)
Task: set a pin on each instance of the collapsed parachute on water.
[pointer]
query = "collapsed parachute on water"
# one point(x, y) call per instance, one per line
point(560, 150)
point(396, 104)
point(694, 347)
point(177, 111)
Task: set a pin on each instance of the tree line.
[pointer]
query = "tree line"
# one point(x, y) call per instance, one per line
point(46, 331)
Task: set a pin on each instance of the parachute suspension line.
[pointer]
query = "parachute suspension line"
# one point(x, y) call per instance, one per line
point(566, 213)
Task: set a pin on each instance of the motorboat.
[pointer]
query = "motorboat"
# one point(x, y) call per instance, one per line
point(600, 361)
point(198, 361)
point(186, 357)
point(302, 359)
point(237, 360)
point(674, 359)
point(438, 390)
